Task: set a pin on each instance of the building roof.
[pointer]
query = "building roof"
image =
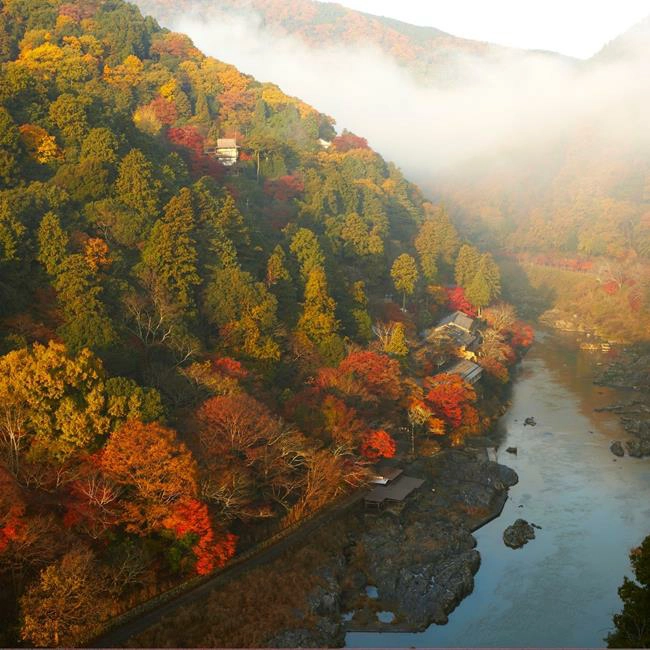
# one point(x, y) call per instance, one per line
point(226, 143)
point(468, 370)
point(385, 475)
point(461, 337)
point(459, 319)
point(396, 491)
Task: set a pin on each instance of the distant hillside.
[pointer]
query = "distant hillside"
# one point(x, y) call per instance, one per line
point(426, 50)
point(635, 38)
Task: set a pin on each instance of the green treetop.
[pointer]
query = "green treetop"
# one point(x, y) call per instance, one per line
point(632, 625)
point(171, 252)
point(318, 320)
point(52, 243)
point(136, 186)
point(405, 276)
point(307, 250)
point(467, 265)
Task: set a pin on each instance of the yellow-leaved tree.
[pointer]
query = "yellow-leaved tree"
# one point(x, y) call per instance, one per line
point(53, 405)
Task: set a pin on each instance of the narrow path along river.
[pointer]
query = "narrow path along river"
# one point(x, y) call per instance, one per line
point(561, 589)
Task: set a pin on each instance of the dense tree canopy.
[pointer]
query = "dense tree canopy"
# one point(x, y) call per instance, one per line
point(188, 349)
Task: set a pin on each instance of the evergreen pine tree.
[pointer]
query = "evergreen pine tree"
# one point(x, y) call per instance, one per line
point(136, 187)
point(307, 250)
point(170, 253)
point(632, 625)
point(86, 323)
point(276, 269)
point(478, 291)
point(427, 244)
point(405, 276)
point(398, 343)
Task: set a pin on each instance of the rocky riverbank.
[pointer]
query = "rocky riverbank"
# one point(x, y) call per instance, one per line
point(631, 372)
point(420, 555)
point(410, 563)
point(589, 337)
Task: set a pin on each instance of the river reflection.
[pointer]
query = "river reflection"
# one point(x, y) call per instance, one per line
point(560, 589)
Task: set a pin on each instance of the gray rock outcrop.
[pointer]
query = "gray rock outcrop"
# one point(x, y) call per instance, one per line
point(519, 534)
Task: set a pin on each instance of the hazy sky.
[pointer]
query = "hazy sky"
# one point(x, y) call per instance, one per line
point(575, 27)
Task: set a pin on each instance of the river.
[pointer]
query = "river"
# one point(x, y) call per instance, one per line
point(561, 589)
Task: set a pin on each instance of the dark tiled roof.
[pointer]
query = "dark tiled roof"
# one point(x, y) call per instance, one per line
point(459, 319)
point(468, 370)
point(397, 491)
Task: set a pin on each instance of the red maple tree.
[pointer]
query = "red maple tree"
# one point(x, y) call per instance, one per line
point(284, 188)
point(190, 143)
point(457, 301)
point(379, 374)
point(377, 444)
point(449, 396)
point(348, 141)
point(522, 335)
point(191, 517)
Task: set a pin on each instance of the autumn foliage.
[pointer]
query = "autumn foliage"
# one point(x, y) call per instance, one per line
point(190, 143)
point(12, 511)
point(189, 349)
point(522, 335)
point(376, 445)
point(190, 517)
point(379, 375)
point(457, 301)
point(284, 188)
point(154, 468)
point(348, 141)
point(451, 398)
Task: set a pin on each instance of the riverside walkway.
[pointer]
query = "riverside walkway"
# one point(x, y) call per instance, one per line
point(138, 620)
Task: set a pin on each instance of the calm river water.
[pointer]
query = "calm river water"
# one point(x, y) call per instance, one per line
point(560, 589)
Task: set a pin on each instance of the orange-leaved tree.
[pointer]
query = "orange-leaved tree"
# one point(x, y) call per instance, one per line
point(242, 440)
point(377, 444)
point(190, 517)
point(155, 469)
point(379, 374)
point(451, 398)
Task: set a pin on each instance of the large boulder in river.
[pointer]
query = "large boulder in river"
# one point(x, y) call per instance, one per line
point(519, 534)
point(617, 449)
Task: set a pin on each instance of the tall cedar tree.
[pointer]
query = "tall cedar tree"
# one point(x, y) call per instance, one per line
point(170, 252)
point(405, 276)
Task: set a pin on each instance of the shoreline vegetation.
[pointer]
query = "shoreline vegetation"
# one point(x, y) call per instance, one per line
point(463, 491)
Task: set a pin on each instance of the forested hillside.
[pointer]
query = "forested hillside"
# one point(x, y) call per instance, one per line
point(564, 185)
point(193, 355)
